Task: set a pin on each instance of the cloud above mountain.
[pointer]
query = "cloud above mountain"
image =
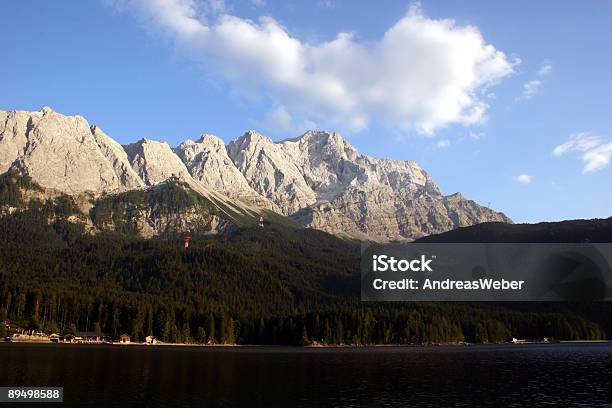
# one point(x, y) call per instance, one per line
point(595, 151)
point(524, 179)
point(532, 87)
point(422, 74)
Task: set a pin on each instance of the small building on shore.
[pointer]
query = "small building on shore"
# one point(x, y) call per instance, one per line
point(36, 337)
point(150, 340)
point(124, 338)
point(529, 341)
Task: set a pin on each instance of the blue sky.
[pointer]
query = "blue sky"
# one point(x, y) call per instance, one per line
point(509, 103)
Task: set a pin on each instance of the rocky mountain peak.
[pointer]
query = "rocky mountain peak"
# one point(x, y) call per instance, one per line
point(250, 140)
point(455, 197)
point(189, 150)
point(211, 140)
point(208, 162)
point(118, 159)
point(155, 162)
point(57, 151)
point(271, 172)
point(253, 135)
point(318, 178)
point(327, 145)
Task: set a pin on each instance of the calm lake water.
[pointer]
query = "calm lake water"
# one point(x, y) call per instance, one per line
point(527, 375)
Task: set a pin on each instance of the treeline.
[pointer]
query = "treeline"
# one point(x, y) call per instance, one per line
point(66, 310)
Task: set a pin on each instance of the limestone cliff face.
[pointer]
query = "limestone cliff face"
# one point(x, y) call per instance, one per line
point(346, 192)
point(271, 172)
point(57, 151)
point(14, 128)
point(384, 215)
point(318, 179)
point(118, 158)
point(208, 162)
point(155, 162)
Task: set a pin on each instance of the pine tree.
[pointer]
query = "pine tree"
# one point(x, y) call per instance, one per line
point(201, 335)
point(230, 334)
point(210, 324)
point(186, 333)
point(304, 340)
point(167, 332)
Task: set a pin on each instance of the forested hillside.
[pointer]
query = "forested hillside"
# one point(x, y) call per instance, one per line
point(276, 285)
point(572, 231)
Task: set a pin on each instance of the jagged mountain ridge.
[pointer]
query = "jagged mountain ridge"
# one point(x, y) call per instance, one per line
point(208, 162)
point(318, 179)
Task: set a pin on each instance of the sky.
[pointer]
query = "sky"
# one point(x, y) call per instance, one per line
point(507, 102)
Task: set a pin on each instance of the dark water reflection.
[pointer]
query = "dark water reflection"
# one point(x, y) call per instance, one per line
point(531, 375)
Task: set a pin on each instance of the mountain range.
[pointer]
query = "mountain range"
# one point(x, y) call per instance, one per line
point(317, 180)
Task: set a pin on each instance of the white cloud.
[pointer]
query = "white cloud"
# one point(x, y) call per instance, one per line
point(595, 151)
point(280, 121)
point(531, 88)
point(441, 144)
point(258, 3)
point(545, 69)
point(422, 74)
point(308, 125)
point(475, 135)
point(524, 179)
point(327, 4)
point(597, 158)
point(581, 142)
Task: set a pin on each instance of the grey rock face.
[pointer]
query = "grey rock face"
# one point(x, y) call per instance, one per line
point(118, 159)
point(208, 162)
point(356, 194)
point(155, 162)
point(271, 172)
point(13, 139)
point(57, 151)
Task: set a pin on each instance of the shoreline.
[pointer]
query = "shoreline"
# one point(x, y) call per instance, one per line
point(318, 346)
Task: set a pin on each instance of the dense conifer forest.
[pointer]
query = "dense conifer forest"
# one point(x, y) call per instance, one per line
point(276, 285)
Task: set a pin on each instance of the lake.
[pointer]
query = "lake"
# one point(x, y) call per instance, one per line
point(461, 376)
